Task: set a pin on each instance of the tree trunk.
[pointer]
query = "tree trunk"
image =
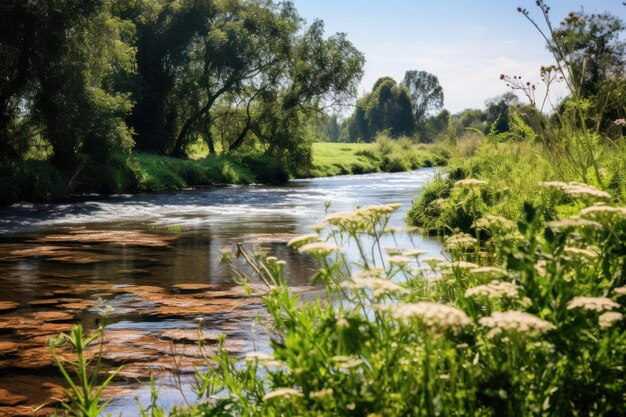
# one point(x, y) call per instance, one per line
point(180, 142)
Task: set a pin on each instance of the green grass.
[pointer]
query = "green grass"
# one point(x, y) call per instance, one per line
point(343, 158)
point(385, 155)
point(513, 173)
point(159, 173)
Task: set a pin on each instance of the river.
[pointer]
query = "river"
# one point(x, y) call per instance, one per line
point(152, 261)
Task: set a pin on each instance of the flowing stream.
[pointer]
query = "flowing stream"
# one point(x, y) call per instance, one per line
point(151, 263)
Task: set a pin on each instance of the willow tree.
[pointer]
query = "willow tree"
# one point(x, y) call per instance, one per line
point(62, 73)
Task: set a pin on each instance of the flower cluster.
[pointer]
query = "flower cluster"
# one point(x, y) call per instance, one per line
point(495, 290)
point(379, 286)
point(438, 317)
point(459, 265)
point(607, 319)
point(582, 252)
point(302, 240)
point(572, 223)
point(604, 213)
point(518, 321)
point(460, 241)
point(489, 270)
point(598, 304)
point(491, 222)
point(318, 249)
point(282, 393)
point(400, 260)
point(577, 190)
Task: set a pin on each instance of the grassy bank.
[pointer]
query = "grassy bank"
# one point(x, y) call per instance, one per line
point(385, 155)
point(39, 181)
point(511, 174)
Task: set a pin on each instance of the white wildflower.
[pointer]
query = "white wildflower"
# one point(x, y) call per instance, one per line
point(400, 260)
point(598, 304)
point(379, 286)
point(317, 228)
point(578, 251)
point(394, 251)
point(603, 213)
point(515, 321)
point(491, 222)
point(375, 210)
point(460, 265)
point(438, 317)
point(573, 222)
point(318, 249)
point(432, 261)
point(414, 252)
point(275, 363)
point(540, 267)
point(488, 270)
point(343, 323)
point(302, 240)
point(282, 393)
point(621, 290)
point(577, 190)
point(607, 319)
point(342, 218)
point(494, 290)
point(258, 356)
point(460, 241)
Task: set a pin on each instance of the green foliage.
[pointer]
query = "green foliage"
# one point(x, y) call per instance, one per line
point(513, 173)
point(30, 181)
point(532, 334)
point(157, 173)
point(83, 80)
point(426, 93)
point(57, 84)
point(84, 395)
point(387, 109)
point(386, 155)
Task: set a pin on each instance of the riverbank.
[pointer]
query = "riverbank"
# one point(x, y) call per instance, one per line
point(494, 180)
point(39, 181)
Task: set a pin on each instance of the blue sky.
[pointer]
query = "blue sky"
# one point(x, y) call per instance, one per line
point(466, 43)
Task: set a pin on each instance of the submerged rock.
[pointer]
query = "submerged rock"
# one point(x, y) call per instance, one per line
point(8, 306)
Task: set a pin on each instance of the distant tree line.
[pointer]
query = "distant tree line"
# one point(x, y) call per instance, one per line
point(83, 82)
point(590, 46)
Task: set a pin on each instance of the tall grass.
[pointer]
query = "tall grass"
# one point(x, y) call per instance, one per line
point(513, 172)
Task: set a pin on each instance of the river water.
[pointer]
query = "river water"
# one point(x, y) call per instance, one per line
point(151, 262)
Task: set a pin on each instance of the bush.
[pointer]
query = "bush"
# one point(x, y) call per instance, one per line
point(30, 180)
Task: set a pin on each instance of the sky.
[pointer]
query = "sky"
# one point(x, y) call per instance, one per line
point(467, 44)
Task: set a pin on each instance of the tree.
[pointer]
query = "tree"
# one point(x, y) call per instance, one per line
point(66, 65)
point(497, 112)
point(591, 46)
point(387, 108)
point(425, 92)
point(208, 68)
